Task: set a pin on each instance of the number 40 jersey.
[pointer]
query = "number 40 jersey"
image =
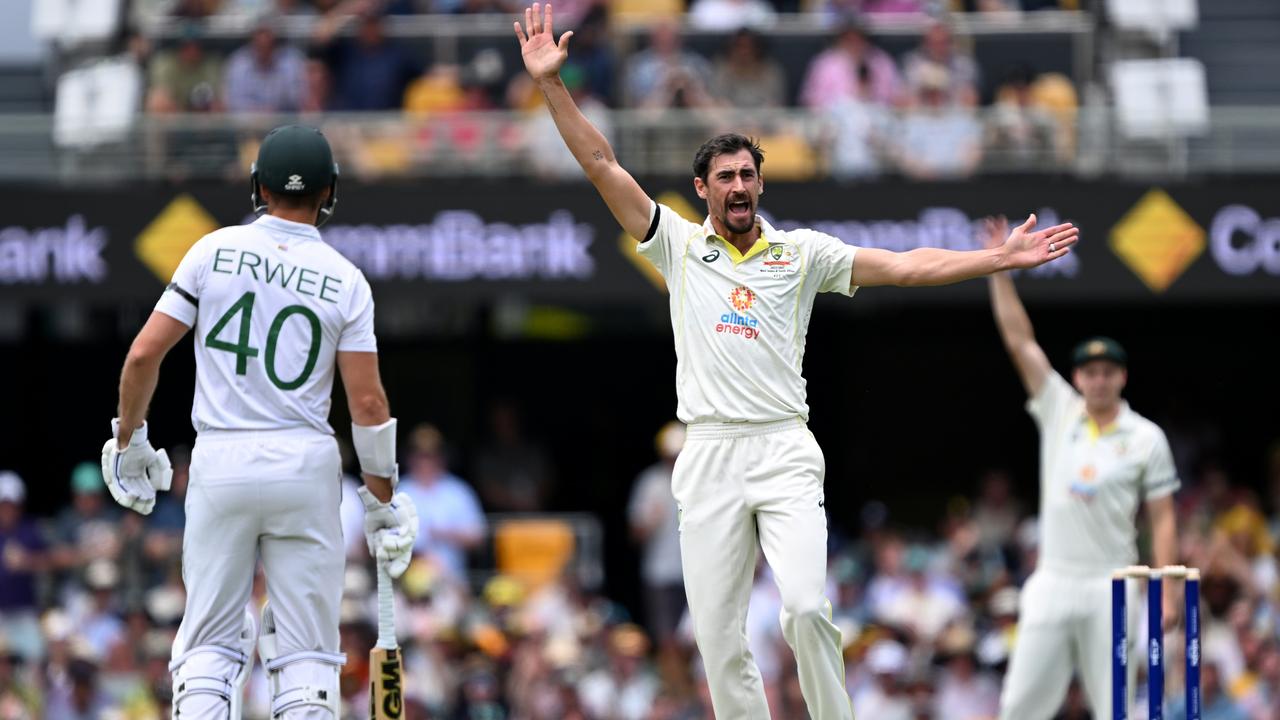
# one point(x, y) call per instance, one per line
point(271, 305)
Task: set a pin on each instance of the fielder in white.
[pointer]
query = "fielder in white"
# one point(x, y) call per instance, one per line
point(1098, 460)
point(275, 309)
point(741, 295)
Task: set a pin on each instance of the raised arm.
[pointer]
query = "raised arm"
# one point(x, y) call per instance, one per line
point(1014, 324)
point(543, 58)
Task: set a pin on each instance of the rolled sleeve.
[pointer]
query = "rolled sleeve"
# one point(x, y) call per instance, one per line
point(664, 241)
point(832, 265)
point(1160, 476)
point(1054, 398)
point(181, 298)
point(358, 334)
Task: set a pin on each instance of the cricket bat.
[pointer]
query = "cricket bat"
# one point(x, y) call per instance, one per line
point(386, 699)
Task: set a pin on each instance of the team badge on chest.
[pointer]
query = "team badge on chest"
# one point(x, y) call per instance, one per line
point(779, 259)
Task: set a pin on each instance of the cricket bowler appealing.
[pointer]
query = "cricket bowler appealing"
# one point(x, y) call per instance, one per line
point(275, 309)
point(741, 295)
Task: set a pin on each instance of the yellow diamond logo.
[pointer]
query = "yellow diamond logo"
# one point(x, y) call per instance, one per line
point(162, 244)
point(628, 245)
point(1158, 240)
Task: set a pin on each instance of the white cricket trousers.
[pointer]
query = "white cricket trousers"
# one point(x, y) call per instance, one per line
point(739, 484)
point(1064, 627)
point(272, 495)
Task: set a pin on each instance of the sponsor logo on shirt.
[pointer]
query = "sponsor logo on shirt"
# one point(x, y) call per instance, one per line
point(712, 256)
point(1085, 486)
point(738, 321)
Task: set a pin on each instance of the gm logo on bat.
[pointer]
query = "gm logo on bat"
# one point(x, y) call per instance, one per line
point(392, 699)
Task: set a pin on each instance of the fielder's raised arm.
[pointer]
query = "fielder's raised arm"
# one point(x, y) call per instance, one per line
point(543, 58)
point(1014, 324)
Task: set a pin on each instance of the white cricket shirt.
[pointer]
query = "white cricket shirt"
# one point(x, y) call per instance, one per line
point(271, 305)
point(1091, 480)
point(740, 320)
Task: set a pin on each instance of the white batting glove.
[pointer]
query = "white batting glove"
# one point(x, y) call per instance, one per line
point(390, 529)
point(134, 474)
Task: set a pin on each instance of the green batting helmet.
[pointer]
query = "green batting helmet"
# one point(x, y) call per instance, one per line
point(295, 160)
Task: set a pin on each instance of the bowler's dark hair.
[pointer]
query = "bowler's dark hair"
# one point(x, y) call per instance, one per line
point(721, 145)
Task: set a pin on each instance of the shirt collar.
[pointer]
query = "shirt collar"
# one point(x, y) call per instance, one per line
point(767, 238)
point(1123, 422)
point(303, 231)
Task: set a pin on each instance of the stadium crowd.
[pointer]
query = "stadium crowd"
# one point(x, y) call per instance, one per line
point(90, 600)
point(930, 112)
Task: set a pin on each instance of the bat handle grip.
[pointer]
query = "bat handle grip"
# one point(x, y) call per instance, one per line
point(386, 610)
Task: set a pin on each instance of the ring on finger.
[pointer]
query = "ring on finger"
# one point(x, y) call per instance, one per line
point(1052, 248)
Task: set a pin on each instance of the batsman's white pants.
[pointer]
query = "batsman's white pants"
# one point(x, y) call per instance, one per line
point(268, 494)
point(737, 484)
point(1064, 627)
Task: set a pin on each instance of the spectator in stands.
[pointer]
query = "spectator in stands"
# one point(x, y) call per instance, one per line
point(926, 603)
point(317, 94)
point(729, 15)
point(655, 524)
point(1018, 134)
point(625, 688)
point(550, 158)
point(882, 697)
point(745, 76)
point(665, 75)
point(838, 73)
point(1215, 702)
point(370, 71)
point(261, 8)
point(937, 49)
point(186, 79)
point(996, 512)
point(1272, 487)
point(938, 139)
point(87, 530)
point(264, 76)
point(450, 521)
point(195, 9)
point(82, 698)
point(98, 621)
point(839, 8)
point(513, 473)
point(593, 53)
point(22, 556)
point(858, 130)
point(438, 90)
point(996, 646)
point(18, 698)
point(963, 691)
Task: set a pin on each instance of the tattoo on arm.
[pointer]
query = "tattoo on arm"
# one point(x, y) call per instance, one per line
point(550, 105)
point(597, 154)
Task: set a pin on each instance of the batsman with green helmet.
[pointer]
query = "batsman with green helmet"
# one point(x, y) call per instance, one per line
point(275, 311)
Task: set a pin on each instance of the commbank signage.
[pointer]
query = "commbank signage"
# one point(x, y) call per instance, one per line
point(1140, 244)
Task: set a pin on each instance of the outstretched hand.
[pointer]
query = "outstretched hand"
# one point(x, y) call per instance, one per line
point(543, 55)
point(1027, 247)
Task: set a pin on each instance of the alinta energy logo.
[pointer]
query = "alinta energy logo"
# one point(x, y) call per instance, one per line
point(165, 241)
point(1157, 240)
point(738, 321)
point(742, 299)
